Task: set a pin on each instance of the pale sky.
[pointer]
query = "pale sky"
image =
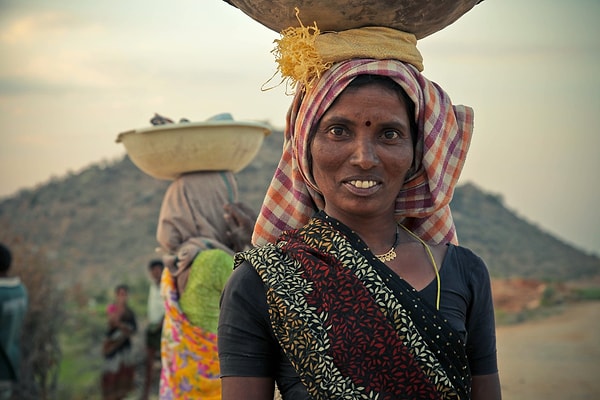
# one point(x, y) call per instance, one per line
point(73, 74)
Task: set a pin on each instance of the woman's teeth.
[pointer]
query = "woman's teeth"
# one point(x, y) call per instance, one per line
point(363, 184)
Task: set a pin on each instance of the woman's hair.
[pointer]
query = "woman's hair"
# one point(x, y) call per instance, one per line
point(5, 258)
point(122, 286)
point(155, 263)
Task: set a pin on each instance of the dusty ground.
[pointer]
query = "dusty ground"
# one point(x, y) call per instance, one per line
point(552, 358)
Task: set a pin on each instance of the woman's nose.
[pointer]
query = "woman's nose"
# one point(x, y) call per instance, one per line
point(365, 154)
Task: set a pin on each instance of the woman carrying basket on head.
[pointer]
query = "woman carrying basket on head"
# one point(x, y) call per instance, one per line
point(358, 288)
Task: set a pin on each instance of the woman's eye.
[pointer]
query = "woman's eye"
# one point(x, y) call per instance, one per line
point(389, 135)
point(336, 131)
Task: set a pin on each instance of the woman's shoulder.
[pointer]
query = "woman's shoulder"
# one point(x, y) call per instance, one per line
point(464, 254)
point(244, 279)
point(466, 261)
point(265, 257)
point(254, 254)
point(244, 292)
point(243, 270)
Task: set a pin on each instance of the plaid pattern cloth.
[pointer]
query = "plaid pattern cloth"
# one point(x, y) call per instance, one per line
point(444, 135)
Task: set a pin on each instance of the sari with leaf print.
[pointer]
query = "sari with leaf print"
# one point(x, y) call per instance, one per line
point(351, 328)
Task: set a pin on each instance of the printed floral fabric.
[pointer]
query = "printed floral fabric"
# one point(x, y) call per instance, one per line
point(190, 363)
point(349, 330)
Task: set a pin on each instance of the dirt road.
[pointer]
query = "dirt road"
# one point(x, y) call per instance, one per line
point(556, 358)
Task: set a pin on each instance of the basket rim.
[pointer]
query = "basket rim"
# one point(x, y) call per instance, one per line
point(203, 124)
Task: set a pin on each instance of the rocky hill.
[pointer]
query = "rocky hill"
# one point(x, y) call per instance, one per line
point(100, 223)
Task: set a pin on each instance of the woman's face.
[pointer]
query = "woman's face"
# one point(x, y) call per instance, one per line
point(122, 296)
point(361, 152)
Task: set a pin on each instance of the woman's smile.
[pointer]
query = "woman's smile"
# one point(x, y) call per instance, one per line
point(362, 187)
point(363, 184)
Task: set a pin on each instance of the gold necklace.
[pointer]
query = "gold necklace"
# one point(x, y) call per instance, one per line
point(435, 267)
point(391, 253)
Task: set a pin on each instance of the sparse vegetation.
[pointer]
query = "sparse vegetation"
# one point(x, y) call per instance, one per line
point(588, 294)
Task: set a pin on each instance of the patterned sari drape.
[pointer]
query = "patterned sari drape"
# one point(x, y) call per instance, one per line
point(349, 328)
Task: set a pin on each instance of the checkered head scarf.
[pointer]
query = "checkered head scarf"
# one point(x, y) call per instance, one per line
point(444, 135)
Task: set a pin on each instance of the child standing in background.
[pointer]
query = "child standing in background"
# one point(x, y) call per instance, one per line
point(118, 369)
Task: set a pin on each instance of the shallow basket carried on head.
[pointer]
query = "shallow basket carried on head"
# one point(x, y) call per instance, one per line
point(167, 151)
point(419, 17)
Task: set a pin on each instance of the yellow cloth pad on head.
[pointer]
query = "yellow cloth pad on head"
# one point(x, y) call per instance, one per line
point(376, 42)
point(303, 53)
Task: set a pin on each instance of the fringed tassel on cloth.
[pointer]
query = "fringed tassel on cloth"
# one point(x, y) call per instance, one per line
point(303, 53)
point(296, 55)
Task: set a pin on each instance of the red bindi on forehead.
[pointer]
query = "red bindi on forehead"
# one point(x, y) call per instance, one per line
point(368, 123)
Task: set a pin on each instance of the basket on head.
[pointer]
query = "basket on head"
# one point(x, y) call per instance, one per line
point(419, 17)
point(167, 151)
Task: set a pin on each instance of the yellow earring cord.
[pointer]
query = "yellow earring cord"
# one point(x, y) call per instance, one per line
point(435, 268)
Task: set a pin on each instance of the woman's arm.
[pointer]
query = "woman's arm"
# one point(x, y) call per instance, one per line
point(486, 387)
point(247, 351)
point(240, 220)
point(110, 345)
point(247, 388)
point(481, 339)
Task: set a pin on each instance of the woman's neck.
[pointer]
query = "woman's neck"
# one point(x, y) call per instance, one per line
point(379, 233)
